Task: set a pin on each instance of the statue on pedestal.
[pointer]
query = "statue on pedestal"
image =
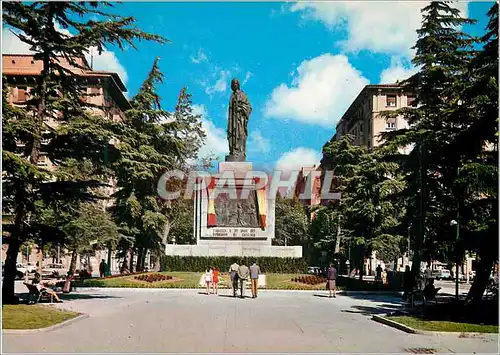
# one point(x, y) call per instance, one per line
point(237, 128)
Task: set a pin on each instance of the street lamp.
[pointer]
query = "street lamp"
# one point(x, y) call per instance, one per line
point(454, 223)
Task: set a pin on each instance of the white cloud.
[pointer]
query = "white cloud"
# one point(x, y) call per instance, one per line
point(13, 45)
point(321, 91)
point(298, 158)
point(216, 140)
point(221, 83)
point(377, 26)
point(257, 143)
point(106, 61)
point(248, 75)
point(199, 57)
point(398, 71)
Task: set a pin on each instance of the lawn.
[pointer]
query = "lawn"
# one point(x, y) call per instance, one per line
point(443, 326)
point(24, 316)
point(191, 280)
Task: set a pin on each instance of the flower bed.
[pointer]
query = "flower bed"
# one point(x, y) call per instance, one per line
point(310, 280)
point(129, 274)
point(153, 278)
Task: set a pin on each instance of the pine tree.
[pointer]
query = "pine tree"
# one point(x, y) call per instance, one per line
point(478, 143)
point(44, 26)
point(443, 54)
point(365, 217)
point(151, 141)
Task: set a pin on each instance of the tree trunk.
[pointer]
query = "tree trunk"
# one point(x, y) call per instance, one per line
point(483, 270)
point(72, 264)
point(362, 268)
point(71, 272)
point(138, 266)
point(8, 288)
point(131, 267)
point(143, 262)
point(110, 251)
point(89, 265)
point(337, 240)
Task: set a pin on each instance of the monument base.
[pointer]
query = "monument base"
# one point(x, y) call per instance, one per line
point(234, 249)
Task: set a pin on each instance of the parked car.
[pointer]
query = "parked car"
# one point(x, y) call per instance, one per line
point(30, 267)
point(441, 274)
point(313, 270)
point(54, 270)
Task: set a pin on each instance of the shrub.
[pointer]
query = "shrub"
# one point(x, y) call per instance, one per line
point(84, 274)
point(201, 263)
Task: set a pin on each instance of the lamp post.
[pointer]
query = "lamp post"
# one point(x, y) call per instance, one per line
point(347, 265)
point(455, 223)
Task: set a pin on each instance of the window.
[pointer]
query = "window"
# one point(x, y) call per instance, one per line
point(391, 101)
point(22, 93)
point(411, 100)
point(390, 123)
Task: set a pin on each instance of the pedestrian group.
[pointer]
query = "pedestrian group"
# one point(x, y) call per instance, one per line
point(239, 275)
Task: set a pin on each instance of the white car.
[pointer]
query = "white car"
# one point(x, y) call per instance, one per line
point(442, 274)
point(54, 270)
point(31, 267)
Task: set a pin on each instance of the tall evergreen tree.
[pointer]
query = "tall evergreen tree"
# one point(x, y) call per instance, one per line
point(443, 53)
point(151, 141)
point(43, 26)
point(365, 217)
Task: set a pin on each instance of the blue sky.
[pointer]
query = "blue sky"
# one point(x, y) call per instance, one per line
point(300, 64)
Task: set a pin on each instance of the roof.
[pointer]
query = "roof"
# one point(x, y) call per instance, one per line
point(24, 64)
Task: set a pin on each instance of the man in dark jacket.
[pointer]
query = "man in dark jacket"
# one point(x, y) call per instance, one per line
point(332, 277)
point(102, 268)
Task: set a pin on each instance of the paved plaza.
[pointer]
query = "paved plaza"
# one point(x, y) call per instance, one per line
point(174, 320)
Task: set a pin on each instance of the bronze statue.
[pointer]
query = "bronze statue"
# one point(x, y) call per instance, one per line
point(237, 131)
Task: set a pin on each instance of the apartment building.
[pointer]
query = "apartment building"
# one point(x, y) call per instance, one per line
point(105, 90)
point(363, 120)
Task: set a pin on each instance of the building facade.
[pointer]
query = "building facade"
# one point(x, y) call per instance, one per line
point(363, 119)
point(104, 90)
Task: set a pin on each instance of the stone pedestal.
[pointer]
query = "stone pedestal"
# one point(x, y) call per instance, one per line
point(213, 239)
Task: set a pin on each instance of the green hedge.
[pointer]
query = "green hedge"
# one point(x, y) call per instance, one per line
point(201, 263)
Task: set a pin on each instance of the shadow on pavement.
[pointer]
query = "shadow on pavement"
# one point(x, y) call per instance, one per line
point(24, 297)
point(82, 296)
point(371, 310)
point(324, 296)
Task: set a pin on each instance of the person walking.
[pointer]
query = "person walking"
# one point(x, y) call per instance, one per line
point(215, 280)
point(332, 276)
point(254, 278)
point(102, 268)
point(208, 279)
point(233, 274)
point(243, 273)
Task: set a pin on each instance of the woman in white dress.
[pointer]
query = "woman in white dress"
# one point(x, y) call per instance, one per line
point(208, 279)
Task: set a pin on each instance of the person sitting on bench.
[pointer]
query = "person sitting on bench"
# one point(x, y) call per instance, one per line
point(42, 289)
point(430, 291)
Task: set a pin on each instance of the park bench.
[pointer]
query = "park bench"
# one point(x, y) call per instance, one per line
point(36, 295)
point(418, 299)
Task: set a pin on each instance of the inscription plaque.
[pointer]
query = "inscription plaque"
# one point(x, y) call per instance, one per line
point(239, 233)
